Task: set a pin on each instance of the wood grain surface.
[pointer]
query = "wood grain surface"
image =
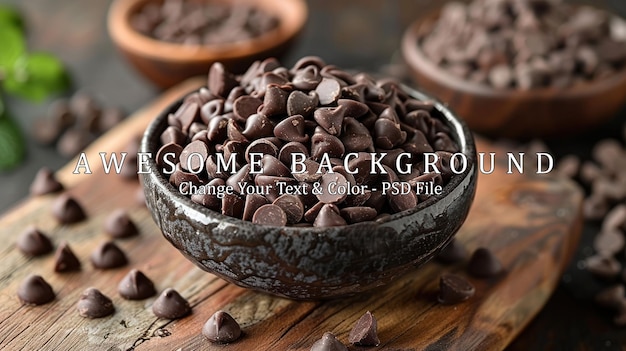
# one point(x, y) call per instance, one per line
point(532, 224)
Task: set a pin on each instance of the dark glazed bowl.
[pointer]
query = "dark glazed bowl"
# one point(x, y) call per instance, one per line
point(166, 64)
point(543, 112)
point(311, 263)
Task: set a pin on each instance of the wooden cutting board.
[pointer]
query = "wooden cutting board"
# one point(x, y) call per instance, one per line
point(532, 224)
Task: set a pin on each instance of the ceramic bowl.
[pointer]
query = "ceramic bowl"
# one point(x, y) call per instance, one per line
point(311, 263)
point(166, 64)
point(545, 112)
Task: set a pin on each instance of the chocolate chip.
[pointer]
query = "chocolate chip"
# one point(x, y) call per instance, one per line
point(270, 215)
point(609, 242)
point(328, 342)
point(453, 252)
point(72, 142)
point(110, 117)
point(245, 106)
point(275, 101)
point(168, 153)
point(45, 183)
point(221, 328)
point(330, 118)
point(136, 286)
point(171, 305)
point(330, 188)
point(220, 82)
point(323, 143)
point(364, 332)
point(328, 91)
point(119, 225)
point(258, 126)
point(193, 156)
point(67, 210)
point(603, 267)
point(65, 260)
point(299, 103)
point(108, 255)
point(454, 289)
point(329, 216)
point(484, 264)
point(291, 129)
point(33, 242)
point(292, 206)
point(34, 290)
point(94, 304)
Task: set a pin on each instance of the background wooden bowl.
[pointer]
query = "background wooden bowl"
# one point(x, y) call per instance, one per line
point(311, 262)
point(166, 64)
point(545, 112)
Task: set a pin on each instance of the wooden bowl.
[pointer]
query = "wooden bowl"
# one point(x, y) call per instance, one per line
point(311, 263)
point(544, 112)
point(166, 64)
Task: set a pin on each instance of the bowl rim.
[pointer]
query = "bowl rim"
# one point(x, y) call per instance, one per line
point(292, 16)
point(460, 133)
point(416, 60)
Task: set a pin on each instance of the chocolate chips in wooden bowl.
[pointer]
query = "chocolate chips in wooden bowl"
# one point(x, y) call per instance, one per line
point(539, 65)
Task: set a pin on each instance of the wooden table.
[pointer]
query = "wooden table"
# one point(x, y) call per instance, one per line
point(76, 32)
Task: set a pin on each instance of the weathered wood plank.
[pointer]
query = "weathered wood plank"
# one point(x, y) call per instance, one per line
point(531, 224)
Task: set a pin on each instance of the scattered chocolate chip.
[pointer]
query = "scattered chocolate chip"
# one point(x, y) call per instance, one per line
point(454, 289)
point(603, 267)
point(484, 264)
point(45, 183)
point(364, 332)
point(119, 225)
point(108, 255)
point(170, 305)
point(67, 210)
point(221, 328)
point(65, 260)
point(33, 242)
point(136, 286)
point(328, 342)
point(93, 304)
point(34, 290)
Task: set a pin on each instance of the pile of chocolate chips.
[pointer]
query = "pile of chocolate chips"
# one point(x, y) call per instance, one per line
point(73, 124)
point(202, 22)
point(511, 44)
point(313, 110)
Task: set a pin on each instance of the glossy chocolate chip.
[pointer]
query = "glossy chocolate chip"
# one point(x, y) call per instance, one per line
point(291, 129)
point(171, 305)
point(358, 214)
point(270, 215)
point(454, 289)
point(328, 342)
point(67, 210)
point(45, 183)
point(108, 255)
point(193, 156)
point(119, 225)
point(168, 154)
point(328, 91)
point(292, 206)
point(330, 184)
point(245, 106)
point(221, 328)
point(65, 260)
point(299, 103)
point(484, 264)
point(329, 216)
point(94, 304)
point(136, 286)
point(220, 82)
point(33, 242)
point(258, 126)
point(364, 332)
point(330, 118)
point(34, 290)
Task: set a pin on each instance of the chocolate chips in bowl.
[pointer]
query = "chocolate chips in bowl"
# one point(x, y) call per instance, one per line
point(307, 182)
point(543, 68)
point(169, 41)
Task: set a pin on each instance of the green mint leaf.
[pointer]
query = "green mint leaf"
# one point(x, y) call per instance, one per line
point(11, 143)
point(11, 16)
point(36, 76)
point(12, 47)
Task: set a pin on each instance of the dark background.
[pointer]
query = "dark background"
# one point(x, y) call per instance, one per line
point(360, 34)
